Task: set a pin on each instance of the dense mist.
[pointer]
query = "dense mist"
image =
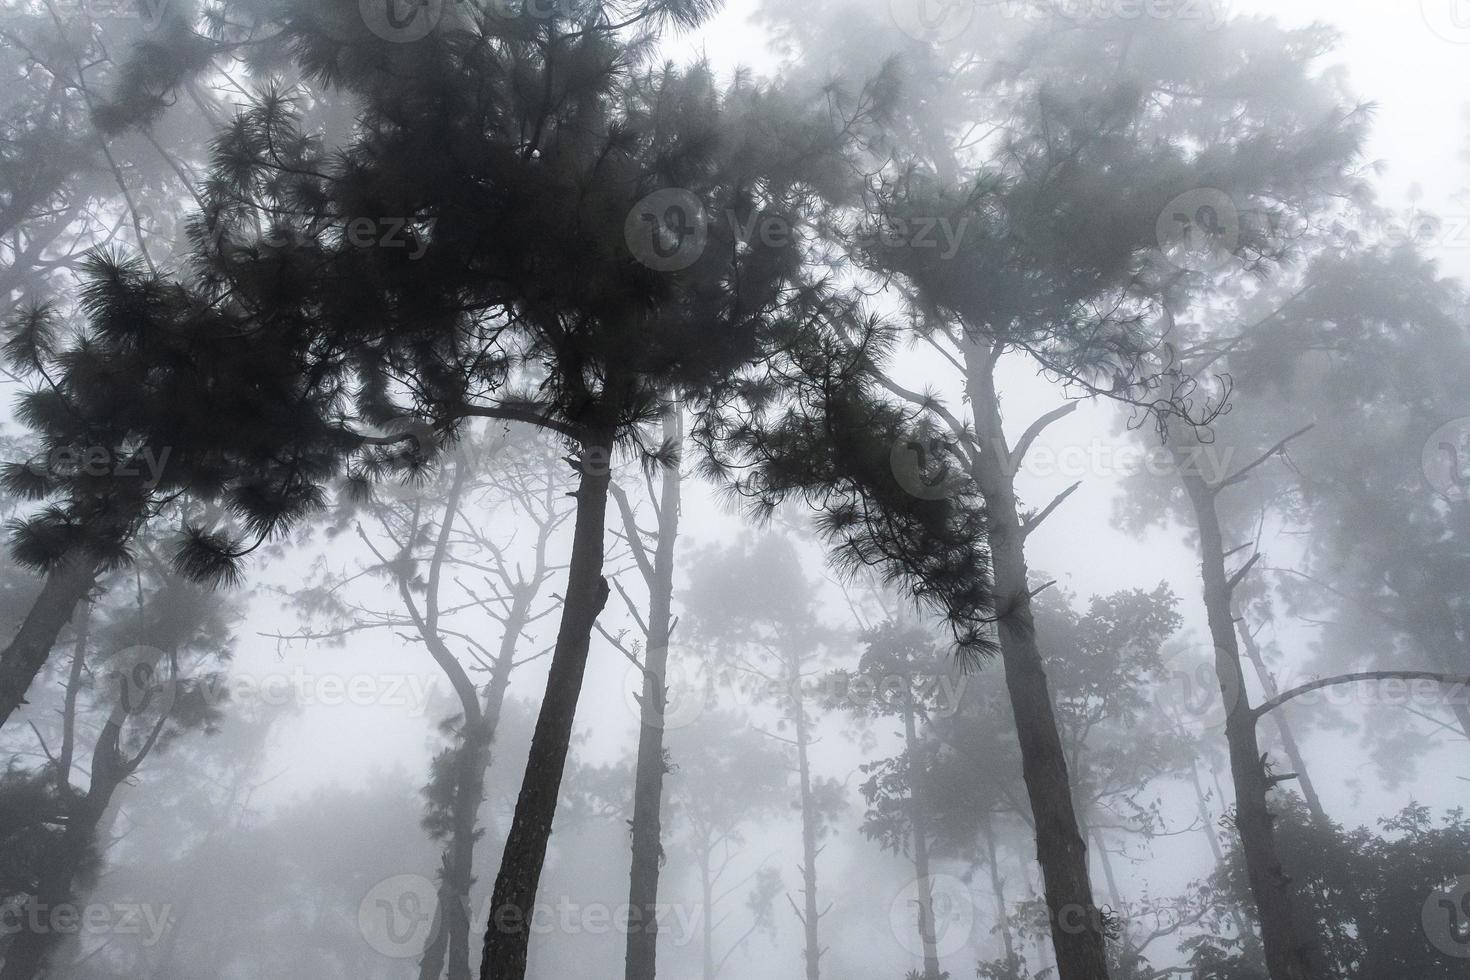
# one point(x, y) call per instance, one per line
point(857, 489)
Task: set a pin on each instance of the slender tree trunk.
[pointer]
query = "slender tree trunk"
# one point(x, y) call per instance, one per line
point(1289, 948)
point(811, 917)
point(1076, 923)
point(451, 912)
point(436, 949)
point(20, 662)
point(449, 938)
point(1248, 938)
point(647, 829)
point(474, 759)
point(1107, 865)
point(507, 934)
point(707, 890)
point(68, 751)
point(470, 790)
point(1288, 736)
point(998, 889)
point(919, 823)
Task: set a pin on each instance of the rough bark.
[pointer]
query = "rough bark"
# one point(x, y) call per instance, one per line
point(1289, 948)
point(647, 827)
point(507, 935)
point(66, 585)
point(1076, 923)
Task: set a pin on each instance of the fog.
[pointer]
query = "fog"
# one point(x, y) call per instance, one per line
point(865, 489)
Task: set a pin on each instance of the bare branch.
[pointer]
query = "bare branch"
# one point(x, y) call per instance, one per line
point(1448, 680)
point(1236, 579)
point(1030, 525)
point(1245, 471)
point(1037, 428)
point(634, 534)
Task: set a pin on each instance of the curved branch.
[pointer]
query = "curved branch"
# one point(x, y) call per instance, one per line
point(1449, 680)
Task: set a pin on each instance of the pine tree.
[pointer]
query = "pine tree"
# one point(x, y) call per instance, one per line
point(491, 219)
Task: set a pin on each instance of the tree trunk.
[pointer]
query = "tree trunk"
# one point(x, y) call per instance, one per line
point(810, 915)
point(1076, 923)
point(1283, 727)
point(20, 662)
point(1289, 949)
point(1248, 938)
point(1107, 865)
point(38, 935)
point(436, 949)
point(69, 701)
point(707, 889)
point(647, 829)
point(470, 792)
point(449, 937)
point(998, 890)
point(919, 823)
point(507, 933)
